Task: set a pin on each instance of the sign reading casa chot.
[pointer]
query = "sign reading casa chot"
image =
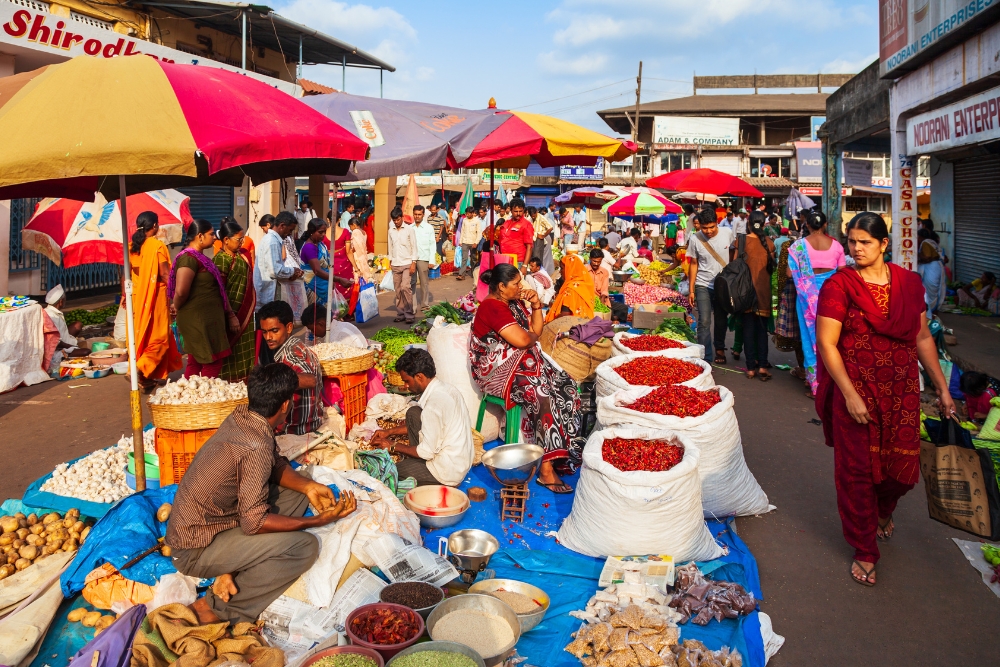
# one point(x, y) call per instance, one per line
point(48, 33)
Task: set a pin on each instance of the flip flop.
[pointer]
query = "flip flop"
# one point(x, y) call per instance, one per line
point(764, 375)
point(736, 355)
point(882, 525)
point(868, 573)
point(555, 488)
point(720, 359)
point(398, 319)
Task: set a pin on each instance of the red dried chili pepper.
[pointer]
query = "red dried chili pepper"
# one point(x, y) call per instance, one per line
point(677, 400)
point(384, 626)
point(658, 371)
point(629, 455)
point(648, 343)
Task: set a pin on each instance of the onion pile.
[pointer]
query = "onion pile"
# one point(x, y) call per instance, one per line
point(198, 390)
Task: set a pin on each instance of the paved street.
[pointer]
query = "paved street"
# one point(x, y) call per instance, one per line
point(928, 608)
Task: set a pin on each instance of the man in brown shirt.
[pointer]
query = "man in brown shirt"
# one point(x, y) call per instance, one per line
point(238, 512)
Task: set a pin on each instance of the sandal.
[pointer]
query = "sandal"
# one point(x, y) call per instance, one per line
point(867, 573)
point(736, 355)
point(561, 487)
point(764, 375)
point(398, 319)
point(798, 372)
point(882, 525)
point(720, 358)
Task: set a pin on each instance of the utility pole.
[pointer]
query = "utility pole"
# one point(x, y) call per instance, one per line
point(635, 120)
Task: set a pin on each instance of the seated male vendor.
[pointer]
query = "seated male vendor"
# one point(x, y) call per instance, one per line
point(439, 430)
point(276, 327)
point(237, 515)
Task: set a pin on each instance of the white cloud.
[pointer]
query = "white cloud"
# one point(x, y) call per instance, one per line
point(588, 63)
point(340, 19)
point(587, 29)
point(850, 66)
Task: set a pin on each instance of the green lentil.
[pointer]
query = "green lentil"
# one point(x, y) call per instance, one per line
point(434, 659)
point(345, 660)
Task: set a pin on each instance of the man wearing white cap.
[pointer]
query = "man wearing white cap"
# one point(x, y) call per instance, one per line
point(60, 338)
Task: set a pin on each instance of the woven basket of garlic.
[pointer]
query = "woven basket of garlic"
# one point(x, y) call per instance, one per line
point(195, 403)
point(340, 359)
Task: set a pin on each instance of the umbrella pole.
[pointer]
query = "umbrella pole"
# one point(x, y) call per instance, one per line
point(138, 447)
point(493, 215)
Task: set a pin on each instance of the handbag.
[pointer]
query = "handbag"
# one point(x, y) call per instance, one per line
point(960, 480)
point(367, 307)
point(734, 285)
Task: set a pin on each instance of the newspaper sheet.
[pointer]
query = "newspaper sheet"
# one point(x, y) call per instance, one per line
point(402, 561)
point(655, 570)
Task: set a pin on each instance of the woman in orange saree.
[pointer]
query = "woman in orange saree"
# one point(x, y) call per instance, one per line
point(577, 293)
point(156, 350)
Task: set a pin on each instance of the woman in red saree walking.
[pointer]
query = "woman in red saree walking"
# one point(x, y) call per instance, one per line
point(871, 329)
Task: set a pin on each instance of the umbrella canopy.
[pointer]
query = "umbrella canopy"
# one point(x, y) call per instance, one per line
point(71, 129)
point(705, 181)
point(641, 203)
point(796, 202)
point(596, 197)
point(71, 232)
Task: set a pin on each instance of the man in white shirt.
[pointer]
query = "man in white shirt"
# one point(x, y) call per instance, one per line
point(426, 249)
point(705, 250)
point(345, 217)
point(55, 299)
point(303, 215)
point(728, 221)
point(270, 267)
point(613, 237)
point(580, 222)
point(438, 428)
point(469, 235)
point(403, 260)
point(740, 224)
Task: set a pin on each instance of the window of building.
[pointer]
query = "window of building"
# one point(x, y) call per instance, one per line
point(878, 204)
point(855, 204)
point(924, 167)
point(674, 160)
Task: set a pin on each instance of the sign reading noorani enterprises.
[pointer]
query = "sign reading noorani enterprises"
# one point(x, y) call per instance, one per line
point(974, 120)
point(62, 36)
point(696, 131)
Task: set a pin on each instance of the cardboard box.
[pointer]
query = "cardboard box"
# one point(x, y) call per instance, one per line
point(649, 315)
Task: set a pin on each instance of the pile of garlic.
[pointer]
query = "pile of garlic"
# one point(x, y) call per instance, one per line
point(198, 390)
point(148, 441)
point(98, 477)
point(329, 351)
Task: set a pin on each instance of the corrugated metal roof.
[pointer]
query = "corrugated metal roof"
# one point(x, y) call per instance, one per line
point(732, 105)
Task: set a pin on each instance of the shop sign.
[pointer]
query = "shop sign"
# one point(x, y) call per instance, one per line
point(810, 191)
point(815, 122)
point(809, 156)
point(696, 131)
point(905, 233)
point(62, 36)
point(974, 120)
point(595, 173)
point(908, 28)
point(857, 172)
point(484, 177)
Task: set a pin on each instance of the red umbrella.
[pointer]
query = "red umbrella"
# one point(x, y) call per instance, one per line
point(705, 181)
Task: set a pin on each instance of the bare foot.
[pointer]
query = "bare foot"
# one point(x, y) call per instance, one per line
point(224, 587)
point(204, 612)
point(863, 572)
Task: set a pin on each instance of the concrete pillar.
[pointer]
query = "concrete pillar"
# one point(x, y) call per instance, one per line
point(319, 195)
point(385, 200)
point(241, 207)
point(904, 192)
point(832, 205)
point(943, 203)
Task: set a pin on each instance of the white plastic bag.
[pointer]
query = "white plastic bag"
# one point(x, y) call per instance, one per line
point(171, 588)
point(690, 349)
point(727, 485)
point(448, 345)
point(346, 333)
point(617, 512)
point(608, 380)
point(387, 284)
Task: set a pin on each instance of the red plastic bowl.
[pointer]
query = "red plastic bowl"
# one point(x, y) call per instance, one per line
point(357, 650)
point(385, 650)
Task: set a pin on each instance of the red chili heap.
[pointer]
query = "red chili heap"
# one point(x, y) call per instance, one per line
point(649, 455)
point(677, 401)
point(647, 343)
point(385, 626)
point(658, 371)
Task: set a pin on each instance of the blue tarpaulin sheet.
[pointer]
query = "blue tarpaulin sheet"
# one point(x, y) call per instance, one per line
point(36, 497)
point(570, 579)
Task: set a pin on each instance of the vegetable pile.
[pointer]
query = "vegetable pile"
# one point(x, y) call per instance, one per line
point(393, 341)
point(629, 455)
point(677, 400)
point(198, 390)
point(992, 556)
point(648, 343)
point(599, 307)
point(450, 314)
point(384, 627)
point(676, 328)
point(28, 539)
point(658, 371)
point(99, 476)
point(328, 351)
point(345, 660)
point(636, 294)
point(87, 317)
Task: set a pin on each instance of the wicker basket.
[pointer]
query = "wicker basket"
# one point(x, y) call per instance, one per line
point(349, 366)
point(193, 417)
point(395, 379)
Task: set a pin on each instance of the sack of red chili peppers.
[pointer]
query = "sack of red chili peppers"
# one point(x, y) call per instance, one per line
point(637, 511)
point(727, 485)
point(626, 343)
point(637, 370)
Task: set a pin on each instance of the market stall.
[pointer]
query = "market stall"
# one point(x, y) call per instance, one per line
point(22, 343)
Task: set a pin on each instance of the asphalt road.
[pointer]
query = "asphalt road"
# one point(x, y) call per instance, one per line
point(930, 606)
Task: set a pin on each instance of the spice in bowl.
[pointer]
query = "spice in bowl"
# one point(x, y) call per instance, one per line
point(345, 660)
point(412, 594)
point(434, 659)
point(519, 602)
point(484, 633)
point(385, 627)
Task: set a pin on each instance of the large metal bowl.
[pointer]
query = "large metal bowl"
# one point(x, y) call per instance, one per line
point(484, 603)
point(527, 621)
point(515, 464)
point(446, 647)
point(621, 276)
point(438, 521)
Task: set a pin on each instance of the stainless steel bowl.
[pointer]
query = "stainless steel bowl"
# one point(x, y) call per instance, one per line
point(437, 521)
point(527, 621)
point(514, 464)
point(446, 647)
point(621, 276)
point(423, 611)
point(484, 603)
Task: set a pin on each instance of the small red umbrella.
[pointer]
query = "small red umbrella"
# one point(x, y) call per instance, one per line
point(705, 181)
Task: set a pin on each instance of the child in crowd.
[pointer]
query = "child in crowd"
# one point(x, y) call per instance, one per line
point(644, 250)
point(314, 319)
point(979, 390)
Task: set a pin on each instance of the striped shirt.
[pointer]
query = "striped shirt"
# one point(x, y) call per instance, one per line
point(227, 483)
point(306, 413)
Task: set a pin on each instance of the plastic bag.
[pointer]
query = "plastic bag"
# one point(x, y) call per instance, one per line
point(172, 588)
point(367, 308)
point(387, 284)
point(448, 345)
point(346, 333)
point(338, 304)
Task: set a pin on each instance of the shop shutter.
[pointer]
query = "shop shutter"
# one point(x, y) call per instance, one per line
point(210, 202)
point(977, 225)
point(727, 164)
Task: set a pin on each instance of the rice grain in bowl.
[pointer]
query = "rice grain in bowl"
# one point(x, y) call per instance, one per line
point(481, 622)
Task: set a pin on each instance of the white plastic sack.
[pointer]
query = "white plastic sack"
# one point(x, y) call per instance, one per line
point(690, 349)
point(617, 512)
point(608, 380)
point(345, 333)
point(727, 485)
point(171, 588)
point(448, 345)
point(387, 284)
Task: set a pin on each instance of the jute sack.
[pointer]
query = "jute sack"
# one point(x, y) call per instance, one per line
point(727, 485)
point(578, 359)
point(608, 380)
point(617, 512)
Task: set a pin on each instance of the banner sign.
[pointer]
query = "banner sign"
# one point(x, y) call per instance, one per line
point(857, 172)
point(809, 158)
point(696, 131)
point(974, 120)
point(595, 173)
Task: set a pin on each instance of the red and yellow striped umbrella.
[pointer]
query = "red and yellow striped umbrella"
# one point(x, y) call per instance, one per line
point(71, 129)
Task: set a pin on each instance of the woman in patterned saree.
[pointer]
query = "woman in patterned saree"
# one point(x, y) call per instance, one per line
point(871, 330)
point(235, 264)
point(507, 362)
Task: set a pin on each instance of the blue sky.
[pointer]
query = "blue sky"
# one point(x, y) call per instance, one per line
point(569, 58)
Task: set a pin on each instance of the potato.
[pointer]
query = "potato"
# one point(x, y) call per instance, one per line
point(41, 556)
point(12, 557)
point(70, 545)
point(22, 533)
point(37, 540)
point(73, 511)
point(48, 550)
point(83, 535)
point(22, 523)
point(77, 526)
point(76, 615)
point(49, 518)
point(166, 551)
point(17, 544)
point(55, 544)
point(75, 535)
point(19, 515)
point(8, 570)
point(6, 550)
point(4, 574)
point(22, 563)
point(7, 539)
point(104, 622)
point(29, 551)
point(9, 524)
point(32, 519)
point(90, 619)
point(37, 529)
point(163, 513)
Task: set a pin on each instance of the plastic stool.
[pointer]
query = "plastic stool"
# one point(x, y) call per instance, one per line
point(512, 433)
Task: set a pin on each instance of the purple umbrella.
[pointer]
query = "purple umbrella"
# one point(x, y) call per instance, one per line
point(406, 137)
